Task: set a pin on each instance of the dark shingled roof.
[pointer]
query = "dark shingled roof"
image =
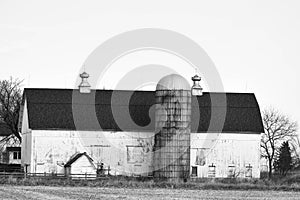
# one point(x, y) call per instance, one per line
point(13, 149)
point(52, 109)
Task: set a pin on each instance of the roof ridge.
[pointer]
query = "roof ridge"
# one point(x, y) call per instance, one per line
point(119, 90)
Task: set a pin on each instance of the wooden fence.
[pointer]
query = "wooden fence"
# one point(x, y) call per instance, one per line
point(23, 175)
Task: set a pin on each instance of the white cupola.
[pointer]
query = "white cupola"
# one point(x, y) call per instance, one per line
point(84, 86)
point(196, 88)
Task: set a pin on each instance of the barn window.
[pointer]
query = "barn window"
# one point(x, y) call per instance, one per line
point(16, 155)
point(101, 153)
point(135, 154)
point(211, 171)
point(201, 156)
point(194, 171)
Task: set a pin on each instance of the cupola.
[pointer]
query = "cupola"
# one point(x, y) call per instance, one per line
point(196, 88)
point(84, 86)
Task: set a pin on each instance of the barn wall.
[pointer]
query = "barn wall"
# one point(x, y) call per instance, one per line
point(26, 146)
point(224, 150)
point(126, 153)
point(25, 125)
point(130, 153)
point(26, 150)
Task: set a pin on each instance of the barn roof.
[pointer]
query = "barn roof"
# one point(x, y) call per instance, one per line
point(63, 108)
point(13, 148)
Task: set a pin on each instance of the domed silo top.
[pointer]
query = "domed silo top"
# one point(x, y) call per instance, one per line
point(173, 82)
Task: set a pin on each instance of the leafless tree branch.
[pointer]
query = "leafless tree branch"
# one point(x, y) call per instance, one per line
point(278, 128)
point(10, 103)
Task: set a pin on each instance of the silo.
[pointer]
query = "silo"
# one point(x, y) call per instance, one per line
point(172, 126)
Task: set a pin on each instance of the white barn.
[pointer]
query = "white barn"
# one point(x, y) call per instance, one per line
point(60, 123)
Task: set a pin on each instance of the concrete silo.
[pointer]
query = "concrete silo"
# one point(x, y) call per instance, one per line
point(172, 128)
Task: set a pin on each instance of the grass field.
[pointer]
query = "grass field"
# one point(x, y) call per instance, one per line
point(57, 193)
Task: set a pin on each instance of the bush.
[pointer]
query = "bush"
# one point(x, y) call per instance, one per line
point(291, 179)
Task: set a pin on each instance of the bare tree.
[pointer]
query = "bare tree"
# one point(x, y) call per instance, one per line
point(295, 146)
point(10, 103)
point(278, 128)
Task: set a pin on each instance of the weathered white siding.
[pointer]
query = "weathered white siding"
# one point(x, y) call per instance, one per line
point(24, 123)
point(129, 153)
point(26, 147)
point(125, 153)
point(224, 150)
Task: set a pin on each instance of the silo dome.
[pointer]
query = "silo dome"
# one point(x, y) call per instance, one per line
point(173, 82)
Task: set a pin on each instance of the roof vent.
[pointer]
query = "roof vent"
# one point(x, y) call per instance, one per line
point(84, 86)
point(196, 88)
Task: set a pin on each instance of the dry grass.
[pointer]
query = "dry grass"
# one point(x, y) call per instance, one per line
point(49, 192)
point(283, 184)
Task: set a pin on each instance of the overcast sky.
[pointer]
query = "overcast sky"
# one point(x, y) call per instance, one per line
point(255, 45)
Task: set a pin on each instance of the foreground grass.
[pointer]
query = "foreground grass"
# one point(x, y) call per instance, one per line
point(74, 193)
point(284, 184)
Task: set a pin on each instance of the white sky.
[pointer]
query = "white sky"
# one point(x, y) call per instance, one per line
point(254, 44)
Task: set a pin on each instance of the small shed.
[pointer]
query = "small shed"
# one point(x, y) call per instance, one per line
point(10, 146)
point(80, 165)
